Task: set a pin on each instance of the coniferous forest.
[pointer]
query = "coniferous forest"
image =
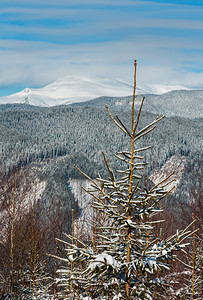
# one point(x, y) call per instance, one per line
point(145, 240)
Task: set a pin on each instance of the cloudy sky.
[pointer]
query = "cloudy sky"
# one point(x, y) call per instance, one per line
point(43, 40)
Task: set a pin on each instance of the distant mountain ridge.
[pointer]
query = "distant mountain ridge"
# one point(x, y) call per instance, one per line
point(101, 91)
point(183, 103)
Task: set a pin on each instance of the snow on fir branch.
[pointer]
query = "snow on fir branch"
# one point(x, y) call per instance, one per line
point(125, 258)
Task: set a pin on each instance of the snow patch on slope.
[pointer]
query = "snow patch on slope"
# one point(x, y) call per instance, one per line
point(26, 195)
point(86, 212)
point(159, 89)
point(35, 193)
point(175, 163)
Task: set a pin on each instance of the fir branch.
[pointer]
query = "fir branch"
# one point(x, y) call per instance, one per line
point(123, 126)
point(143, 134)
point(162, 181)
point(115, 120)
point(138, 117)
point(85, 175)
point(143, 130)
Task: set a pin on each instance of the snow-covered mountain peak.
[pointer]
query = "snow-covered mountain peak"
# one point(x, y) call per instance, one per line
point(26, 91)
point(70, 90)
point(74, 89)
point(86, 88)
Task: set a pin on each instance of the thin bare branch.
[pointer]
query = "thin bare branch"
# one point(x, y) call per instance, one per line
point(90, 179)
point(150, 125)
point(138, 117)
point(115, 120)
point(162, 181)
point(108, 168)
point(123, 125)
point(137, 138)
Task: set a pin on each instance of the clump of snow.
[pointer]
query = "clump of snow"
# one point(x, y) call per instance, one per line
point(164, 252)
point(103, 258)
point(117, 297)
point(151, 262)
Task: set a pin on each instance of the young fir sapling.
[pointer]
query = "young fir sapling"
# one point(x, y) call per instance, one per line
point(126, 258)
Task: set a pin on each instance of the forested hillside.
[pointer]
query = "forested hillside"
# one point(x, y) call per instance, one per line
point(80, 134)
point(47, 133)
point(182, 103)
point(38, 149)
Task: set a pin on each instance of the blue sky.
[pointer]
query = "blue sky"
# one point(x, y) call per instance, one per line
point(43, 40)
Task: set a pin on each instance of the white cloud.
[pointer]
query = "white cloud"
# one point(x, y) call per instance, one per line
point(39, 63)
point(164, 57)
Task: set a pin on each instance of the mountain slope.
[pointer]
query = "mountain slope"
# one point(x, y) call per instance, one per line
point(101, 91)
point(70, 90)
point(183, 103)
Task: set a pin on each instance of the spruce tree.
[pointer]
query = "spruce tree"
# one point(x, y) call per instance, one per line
point(125, 258)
